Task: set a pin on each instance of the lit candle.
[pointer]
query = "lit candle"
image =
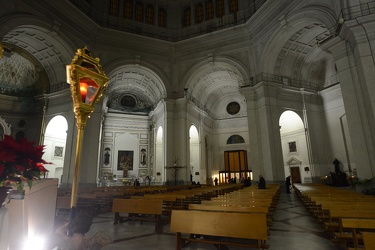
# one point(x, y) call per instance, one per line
point(83, 90)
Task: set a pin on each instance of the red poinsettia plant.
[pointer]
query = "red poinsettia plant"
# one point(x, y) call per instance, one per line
point(20, 162)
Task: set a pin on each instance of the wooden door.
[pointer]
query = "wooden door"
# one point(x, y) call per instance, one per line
point(295, 174)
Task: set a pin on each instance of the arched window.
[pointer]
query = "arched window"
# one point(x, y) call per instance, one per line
point(162, 18)
point(149, 14)
point(209, 10)
point(199, 13)
point(113, 7)
point(139, 12)
point(128, 9)
point(220, 8)
point(233, 6)
point(234, 139)
point(187, 16)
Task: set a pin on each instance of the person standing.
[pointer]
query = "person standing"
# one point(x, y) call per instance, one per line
point(261, 182)
point(287, 184)
point(216, 181)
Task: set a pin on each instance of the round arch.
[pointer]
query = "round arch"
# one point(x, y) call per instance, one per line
point(55, 56)
point(139, 80)
point(152, 69)
point(294, 147)
point(211, 86)
point(194, 148)
point(220, 62)
point(295, 22)
point(55, 145)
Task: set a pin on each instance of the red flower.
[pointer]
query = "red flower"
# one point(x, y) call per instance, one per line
point(20, 161)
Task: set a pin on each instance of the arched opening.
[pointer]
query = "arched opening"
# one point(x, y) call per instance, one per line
point(294, 146)
point(197, 174)
point(55, 146)
point(159, 159)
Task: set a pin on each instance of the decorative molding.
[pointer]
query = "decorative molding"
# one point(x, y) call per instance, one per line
point(293, 161)
point(6, 126)
point(125, 126)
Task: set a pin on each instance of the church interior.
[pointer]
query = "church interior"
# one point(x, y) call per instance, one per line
point(207, 92)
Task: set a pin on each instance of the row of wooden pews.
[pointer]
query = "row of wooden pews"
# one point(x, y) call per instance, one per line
point(239, 218)
point(345, 214)
point(98, 200)
point(159, 205)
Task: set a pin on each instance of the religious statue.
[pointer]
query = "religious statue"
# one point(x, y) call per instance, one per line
point(106, 158)
point(143, 156)
point(337, 166)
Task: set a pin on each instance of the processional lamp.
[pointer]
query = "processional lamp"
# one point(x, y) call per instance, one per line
point(87, 82)
point(1, 50)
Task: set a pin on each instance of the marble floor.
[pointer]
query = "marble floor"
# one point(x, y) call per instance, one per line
point(292, 228)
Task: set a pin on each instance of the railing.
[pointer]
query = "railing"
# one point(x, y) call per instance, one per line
point(168, 34)
point(345, 15)
point(199, 105)
point(58, 87)
point(283, 80)
point(358, 10)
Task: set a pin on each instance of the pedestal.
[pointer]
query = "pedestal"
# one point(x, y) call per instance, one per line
point(34, 215)
point(4, 225)
point(339, 179)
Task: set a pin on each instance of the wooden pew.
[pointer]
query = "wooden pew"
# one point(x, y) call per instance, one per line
point(351, 229)
point(233, 208)
point(333, 222)
point(136, 207)
point(229, 208)
point(216, 226)
point(369, 240)
point(240, 203)
point(323, 214)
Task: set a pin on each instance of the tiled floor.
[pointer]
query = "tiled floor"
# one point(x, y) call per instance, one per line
point(292, 229)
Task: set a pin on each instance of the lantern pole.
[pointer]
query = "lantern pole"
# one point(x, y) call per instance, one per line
point(87, 82)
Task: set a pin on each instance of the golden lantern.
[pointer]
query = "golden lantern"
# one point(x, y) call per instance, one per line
point(87, 82)
point(1, 50)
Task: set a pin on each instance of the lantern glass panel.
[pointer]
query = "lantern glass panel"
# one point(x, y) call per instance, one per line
point(88, 90)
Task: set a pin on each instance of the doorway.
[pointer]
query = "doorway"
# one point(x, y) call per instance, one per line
point(295, 174)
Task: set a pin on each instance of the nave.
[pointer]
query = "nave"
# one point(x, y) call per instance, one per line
point(293, 228)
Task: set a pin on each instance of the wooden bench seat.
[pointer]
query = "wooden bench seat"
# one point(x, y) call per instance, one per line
point(229, 208)
point(351, 230)
point(241, 203)
point(321, 211)
point(369, 240)
point(333, 222)
point(233, 208)
point(137, 208)
point(215, 227)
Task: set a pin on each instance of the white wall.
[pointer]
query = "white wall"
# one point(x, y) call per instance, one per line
point(338, 135)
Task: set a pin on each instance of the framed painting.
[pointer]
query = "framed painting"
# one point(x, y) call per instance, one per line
point(58, 152)
point(292, 147)
point(125, 160)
